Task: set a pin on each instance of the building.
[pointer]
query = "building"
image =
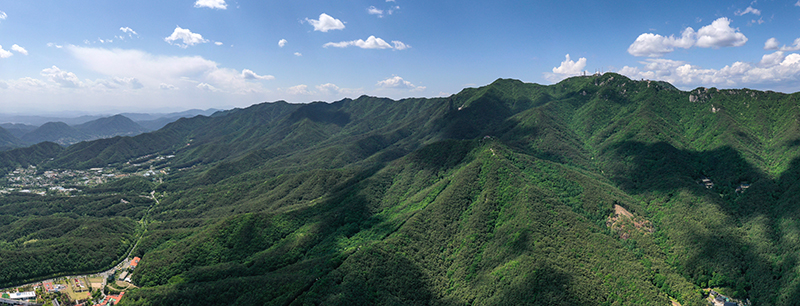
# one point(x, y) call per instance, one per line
point(135, 262)
point(22, 296)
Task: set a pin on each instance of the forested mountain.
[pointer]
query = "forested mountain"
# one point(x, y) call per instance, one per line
point(58, 132)
point(63, 134)
point(117, 125)
point(511, 193)
point(18, 129)
point(8, 140)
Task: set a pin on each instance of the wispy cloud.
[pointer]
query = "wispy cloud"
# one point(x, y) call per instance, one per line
point(214, 4)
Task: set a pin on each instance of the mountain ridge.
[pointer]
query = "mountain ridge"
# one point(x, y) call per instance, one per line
point(497, 194)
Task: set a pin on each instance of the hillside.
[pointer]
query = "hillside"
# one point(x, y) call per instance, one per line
point(8, 140)
point(58, 132)
point(117, 125)
point(503, 194)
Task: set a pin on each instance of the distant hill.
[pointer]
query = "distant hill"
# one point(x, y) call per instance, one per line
point(153, 122)
point(18, 129)
point(65, 135)
point(57, 132)
point(117, 125)
point(8, 140)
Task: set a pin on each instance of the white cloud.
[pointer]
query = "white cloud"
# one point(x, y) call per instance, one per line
point(282, 43)
point(3, 15)
point(332, 89)
point(129, 31)
point(772, 59)
point(567, 68)
point(117, 82)
point(4, 85)
point(399, 45)
point(207, 87)
point(5, 53)
point(326, 23)
point(301, 89)
point(214, 4)
point(165, 86)
point(397, 82)
point(372, 42)
point(749, 9)
point(328, 88)
point(375, 11)
point(775, 69)
point(218, 43)
point(298, 54)
point(717, 34)
point(772, 44)
point(798, 3)
point(19, 49)
point(185, 35)
point(152, 70)
point(248, 74)
point(61, 77)
point(54, 45)
point(654, 45)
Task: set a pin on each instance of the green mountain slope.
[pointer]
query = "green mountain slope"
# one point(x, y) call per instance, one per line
point(504, 194)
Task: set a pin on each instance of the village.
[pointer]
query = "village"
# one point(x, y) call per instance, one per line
point(101, 289)
point(33, 180)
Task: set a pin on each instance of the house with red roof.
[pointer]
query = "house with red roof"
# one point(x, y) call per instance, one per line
point(135, 262)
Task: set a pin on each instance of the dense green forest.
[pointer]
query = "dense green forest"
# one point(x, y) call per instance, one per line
point(498, 195)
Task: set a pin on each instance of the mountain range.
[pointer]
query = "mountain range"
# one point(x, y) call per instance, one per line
point(73, 130)
point(597, 190)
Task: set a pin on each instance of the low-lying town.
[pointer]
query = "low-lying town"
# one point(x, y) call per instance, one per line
point(102, 289)
point(69, 181)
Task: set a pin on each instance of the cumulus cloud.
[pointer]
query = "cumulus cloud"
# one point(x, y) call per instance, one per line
point(567, 68)
point(326, 23)
point(19, 49)
point(749, 9)
point(61, 77)
point(5, 53)
point(218, 43)
point(328, 88)
point(773, 69)
point(248, 74)
point(301, 89)
point(654, 45)
point(397, 82)
point(298, 54)
point(282, 43)
point(718, 34)
point(372, 42)
point(214, 4)
point(186, 36)
point(772, 44)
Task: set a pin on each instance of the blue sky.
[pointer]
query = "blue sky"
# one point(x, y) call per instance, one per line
point(145, 56)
